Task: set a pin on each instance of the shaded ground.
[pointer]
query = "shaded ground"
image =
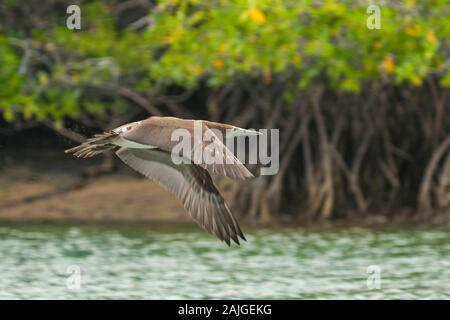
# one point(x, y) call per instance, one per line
point(38, 182)
point(110, 198)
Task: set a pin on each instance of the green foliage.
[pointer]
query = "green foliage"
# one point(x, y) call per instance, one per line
point(189, 41)
point(270, 37)
point(12, 82)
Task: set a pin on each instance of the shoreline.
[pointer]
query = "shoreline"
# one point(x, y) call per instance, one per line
point(47, 187)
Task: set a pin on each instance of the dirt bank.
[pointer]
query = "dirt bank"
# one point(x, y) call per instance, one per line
point(43, 184)
point(62, 197)
point(111, 198)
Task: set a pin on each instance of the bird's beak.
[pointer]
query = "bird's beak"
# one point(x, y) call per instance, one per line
point(237, 132)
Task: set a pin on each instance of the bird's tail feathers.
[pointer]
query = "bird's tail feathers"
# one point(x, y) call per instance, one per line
point(99, 143)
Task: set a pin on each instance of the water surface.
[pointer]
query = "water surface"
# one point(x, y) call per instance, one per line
point(160, 262)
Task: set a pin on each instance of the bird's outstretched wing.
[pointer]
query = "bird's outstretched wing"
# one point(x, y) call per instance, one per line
point(192, 185)
point(158, 134)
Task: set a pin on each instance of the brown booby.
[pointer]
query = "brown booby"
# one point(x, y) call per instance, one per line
point(146, 147)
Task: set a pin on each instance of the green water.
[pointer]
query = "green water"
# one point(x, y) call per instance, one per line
point(150, 262)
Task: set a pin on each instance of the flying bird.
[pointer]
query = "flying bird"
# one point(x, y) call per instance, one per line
point(146, 146)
